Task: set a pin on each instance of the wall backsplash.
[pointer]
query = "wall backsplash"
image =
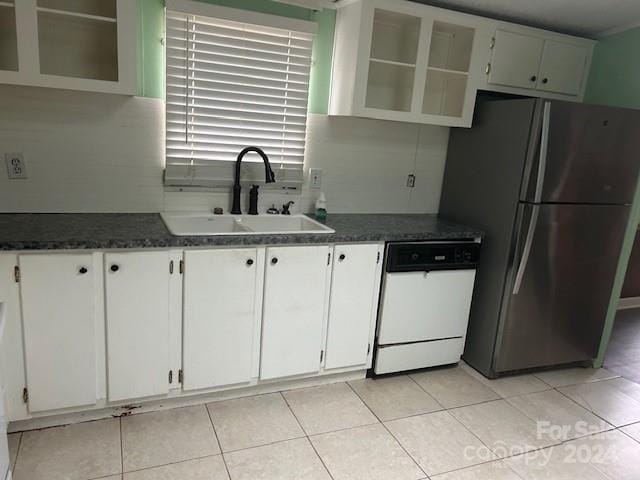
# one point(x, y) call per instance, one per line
point(89, 152)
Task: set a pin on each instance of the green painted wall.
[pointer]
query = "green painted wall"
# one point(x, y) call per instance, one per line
point(614, 80)
point(151, 32)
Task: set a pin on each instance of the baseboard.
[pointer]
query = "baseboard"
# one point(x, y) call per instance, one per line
point(179, 400)
point(630, 302)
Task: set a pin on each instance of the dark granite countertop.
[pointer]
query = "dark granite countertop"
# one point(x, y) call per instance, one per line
point(70, 231)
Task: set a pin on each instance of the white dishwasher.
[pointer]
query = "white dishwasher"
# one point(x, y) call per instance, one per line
point(425, 304)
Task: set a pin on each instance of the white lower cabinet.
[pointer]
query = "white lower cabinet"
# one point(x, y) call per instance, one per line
point(355, 286)
point(59, 328)
point(293, 310)
point(221, 316)
point(137, 316)
point(106, 327)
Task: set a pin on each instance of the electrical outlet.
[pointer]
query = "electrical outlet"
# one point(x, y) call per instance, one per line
point(15, 165)
point(315, 178)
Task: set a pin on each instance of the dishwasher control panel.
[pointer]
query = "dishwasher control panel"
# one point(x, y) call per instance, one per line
point(426, 256)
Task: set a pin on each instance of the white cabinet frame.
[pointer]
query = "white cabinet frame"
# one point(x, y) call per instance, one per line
point(29, 56)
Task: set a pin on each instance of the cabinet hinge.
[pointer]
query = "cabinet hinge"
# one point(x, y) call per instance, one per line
point(16, 274)
point(180, 376)
point(170, 376)
point(321, 355)
point(25, 395)
point(171, 267)
point(181, 266)
point(368, 349)
point(487, 69)
point(378, 259)
point(492, 44)
point(329, 259)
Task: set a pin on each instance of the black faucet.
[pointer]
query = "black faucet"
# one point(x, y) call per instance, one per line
point(286, 207)
point(269, 178)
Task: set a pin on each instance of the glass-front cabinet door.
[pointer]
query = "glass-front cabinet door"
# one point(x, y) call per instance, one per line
point(73, 44)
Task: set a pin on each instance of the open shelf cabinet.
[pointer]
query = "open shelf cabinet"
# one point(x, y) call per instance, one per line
point(73, 44)
point(8, 37)
point(403, 61)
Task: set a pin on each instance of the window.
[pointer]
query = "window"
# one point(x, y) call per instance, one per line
point(231, 84)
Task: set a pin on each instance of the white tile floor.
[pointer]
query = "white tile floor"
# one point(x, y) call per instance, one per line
point(444, 424)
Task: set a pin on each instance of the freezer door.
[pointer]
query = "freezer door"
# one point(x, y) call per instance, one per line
point(586, 154)
point(556, 306)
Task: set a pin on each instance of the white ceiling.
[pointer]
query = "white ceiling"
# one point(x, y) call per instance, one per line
point(591, 18)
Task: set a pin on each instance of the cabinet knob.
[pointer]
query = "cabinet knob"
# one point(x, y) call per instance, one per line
point(274, 260)
point(342, 257)
point(545, 80)
point(114, 268)
point(250, 262)
point(533, 78)
point(82, 270)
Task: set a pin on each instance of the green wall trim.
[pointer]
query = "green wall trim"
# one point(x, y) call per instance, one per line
point(614, 80)
point(151, 51)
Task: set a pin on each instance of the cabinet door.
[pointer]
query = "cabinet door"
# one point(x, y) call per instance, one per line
point(516, 59)
point(562, 68)
point(58, 314)
point(353, 304)
point(293, 311)
point(137, 309)
point(219, 317)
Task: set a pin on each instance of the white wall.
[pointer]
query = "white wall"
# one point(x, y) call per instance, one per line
point(104, 153)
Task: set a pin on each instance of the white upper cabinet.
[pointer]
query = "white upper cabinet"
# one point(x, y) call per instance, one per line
point(137, 313)
point(516, 59)
point(563, 67)
point(221, 316)
point(79, 45)
point(545, 64)
point(353, 305)
point(8, 37)
point(59, 325)
point(403, 61)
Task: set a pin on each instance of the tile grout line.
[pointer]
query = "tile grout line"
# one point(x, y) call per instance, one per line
point(178, 462)
point(215, 435)
point(606, 429)
point(308, 438)
point(15, 461)
point(388, 431)
point(588, 408)
point(421, 388)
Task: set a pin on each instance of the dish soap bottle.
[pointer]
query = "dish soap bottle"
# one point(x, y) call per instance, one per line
point(321, 207)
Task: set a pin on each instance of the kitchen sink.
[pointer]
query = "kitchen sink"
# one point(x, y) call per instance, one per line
point(194, 224)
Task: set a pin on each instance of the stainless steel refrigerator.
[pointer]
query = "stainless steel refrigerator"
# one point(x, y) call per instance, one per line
point(551, 183)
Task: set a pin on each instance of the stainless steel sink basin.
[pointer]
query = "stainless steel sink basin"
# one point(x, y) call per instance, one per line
point(194, 224)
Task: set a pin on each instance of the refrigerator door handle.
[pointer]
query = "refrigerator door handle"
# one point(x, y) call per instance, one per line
point(526, 251)
point(544, 149)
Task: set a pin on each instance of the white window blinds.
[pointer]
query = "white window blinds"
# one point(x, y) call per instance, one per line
point(229, 85)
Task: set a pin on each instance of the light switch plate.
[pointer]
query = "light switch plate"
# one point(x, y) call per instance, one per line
point(16, 168)
point(315, 178)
